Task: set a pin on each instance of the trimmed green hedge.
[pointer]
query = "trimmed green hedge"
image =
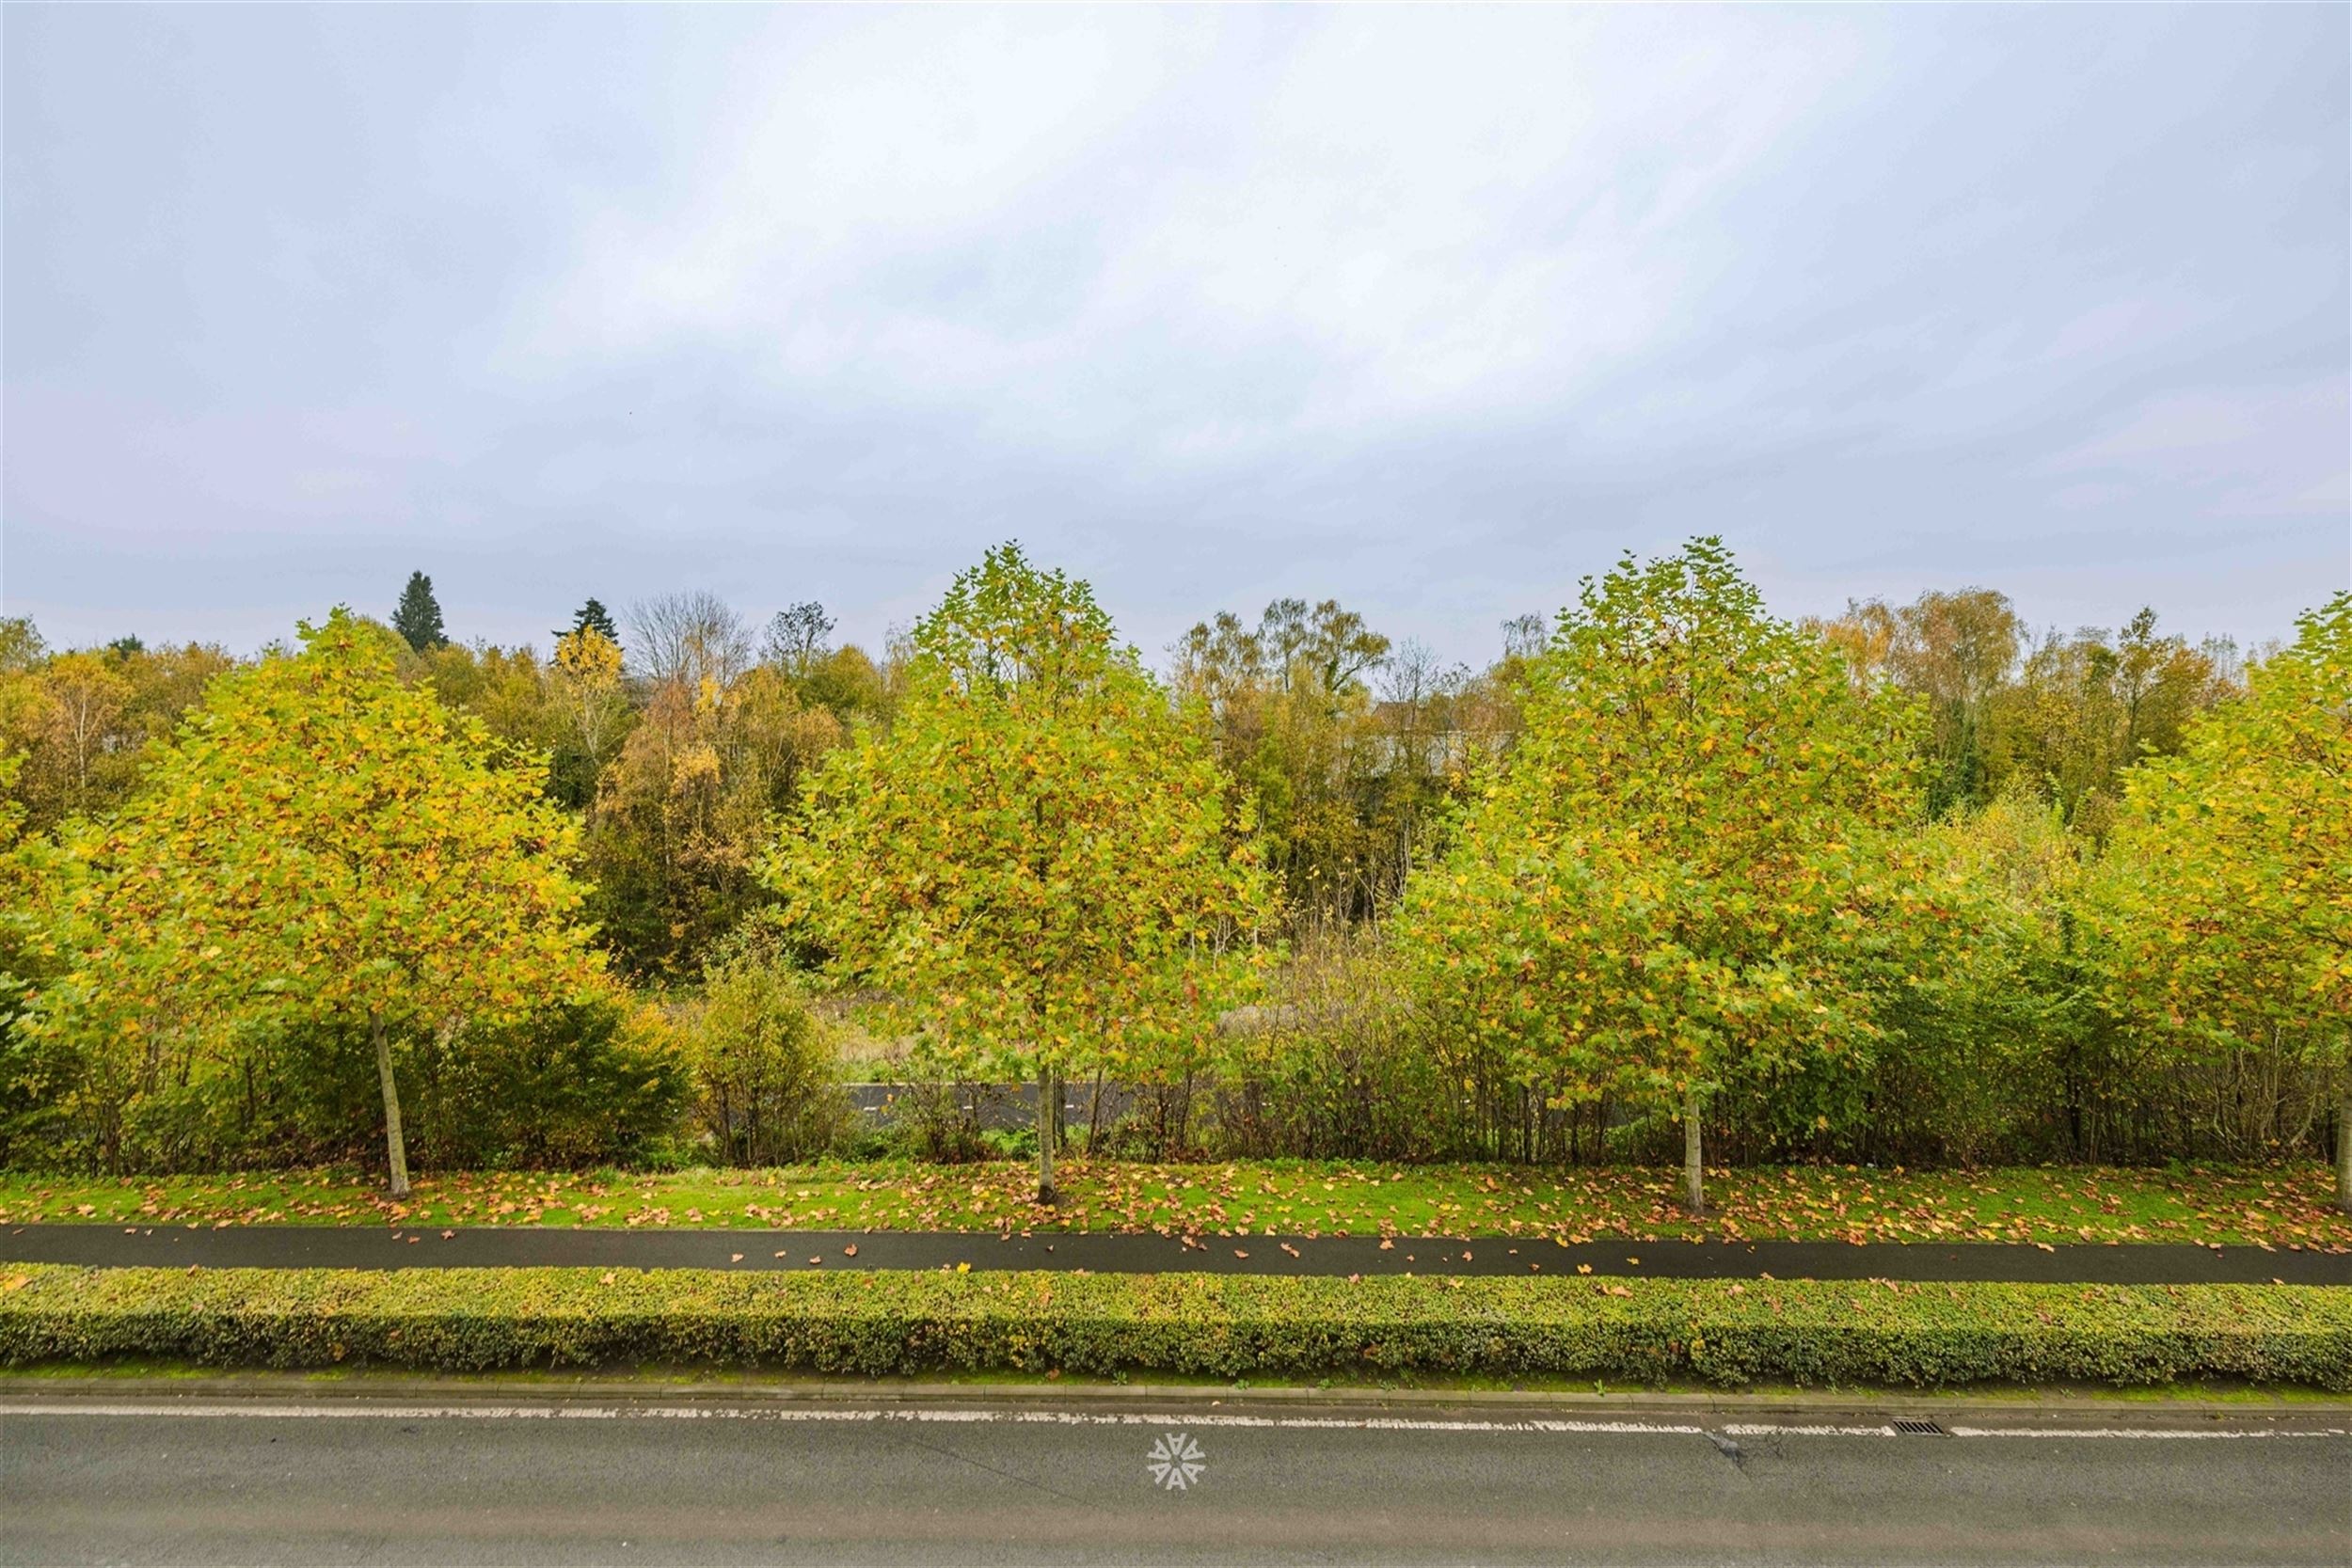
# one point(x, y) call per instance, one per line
point(1805, 1331)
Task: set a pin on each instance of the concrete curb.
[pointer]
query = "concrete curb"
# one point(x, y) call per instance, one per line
point(2056, 1407)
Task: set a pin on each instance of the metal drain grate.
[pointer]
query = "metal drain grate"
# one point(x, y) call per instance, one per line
point(1919, 1428)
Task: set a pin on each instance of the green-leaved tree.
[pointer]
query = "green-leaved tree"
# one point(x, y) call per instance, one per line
point(320, 840)
point(1665, 885)
point(2225, 899)
point(1036, 857)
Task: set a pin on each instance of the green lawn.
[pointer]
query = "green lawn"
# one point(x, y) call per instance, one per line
point(2278, 1206)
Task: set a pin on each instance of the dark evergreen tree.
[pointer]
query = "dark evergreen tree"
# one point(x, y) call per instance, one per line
point(418, 618)
point(592, 613)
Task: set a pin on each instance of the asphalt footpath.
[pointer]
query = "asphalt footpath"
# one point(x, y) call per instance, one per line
point(800, 1251)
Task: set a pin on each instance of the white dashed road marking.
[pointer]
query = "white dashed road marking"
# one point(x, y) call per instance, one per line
point(308, 1410)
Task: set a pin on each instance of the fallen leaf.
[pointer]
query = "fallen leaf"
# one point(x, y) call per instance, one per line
point(734, 1258)
point(851, 1251)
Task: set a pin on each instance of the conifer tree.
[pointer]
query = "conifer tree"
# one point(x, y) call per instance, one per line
point(593, 617)
point(418, 619)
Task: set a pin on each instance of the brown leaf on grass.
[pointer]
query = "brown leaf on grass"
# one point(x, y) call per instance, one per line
point(608, 1276)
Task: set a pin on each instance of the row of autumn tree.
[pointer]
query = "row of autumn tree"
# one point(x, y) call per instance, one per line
point(681, 740)
point(1679, 855)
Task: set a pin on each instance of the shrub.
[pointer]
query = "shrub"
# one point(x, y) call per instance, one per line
point(1337, 1064)
point(566, 1087)
point(1806, 1332)
point(765, 1088)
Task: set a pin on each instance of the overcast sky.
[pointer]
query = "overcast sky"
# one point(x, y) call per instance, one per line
point(1433, 311)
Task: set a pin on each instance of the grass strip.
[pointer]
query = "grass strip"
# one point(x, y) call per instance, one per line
point(2270, 1206)
point(1806, 1333)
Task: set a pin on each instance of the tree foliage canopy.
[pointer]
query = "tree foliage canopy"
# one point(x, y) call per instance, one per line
point(319, 836)
point(2226, 895)
point(1037, 849)
point(1656, 891)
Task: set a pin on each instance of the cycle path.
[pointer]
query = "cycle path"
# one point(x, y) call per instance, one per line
point(479, 1246)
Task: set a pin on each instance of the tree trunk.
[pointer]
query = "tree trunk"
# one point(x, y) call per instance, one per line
point(1094, 1118)
point(1044, 1134)
point(2344, 1154)
point(394, 1144)
point(1693, 1170)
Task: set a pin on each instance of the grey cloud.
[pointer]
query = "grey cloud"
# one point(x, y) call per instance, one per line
point(1434, 311)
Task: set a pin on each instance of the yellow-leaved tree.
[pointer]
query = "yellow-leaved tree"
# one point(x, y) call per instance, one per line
point(2224, 904)
point(1038, 856)
point(1682, 875)
point(320, 840)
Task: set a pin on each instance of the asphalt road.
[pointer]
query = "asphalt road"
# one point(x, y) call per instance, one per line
point(380, 1246)
point(341, 1481)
